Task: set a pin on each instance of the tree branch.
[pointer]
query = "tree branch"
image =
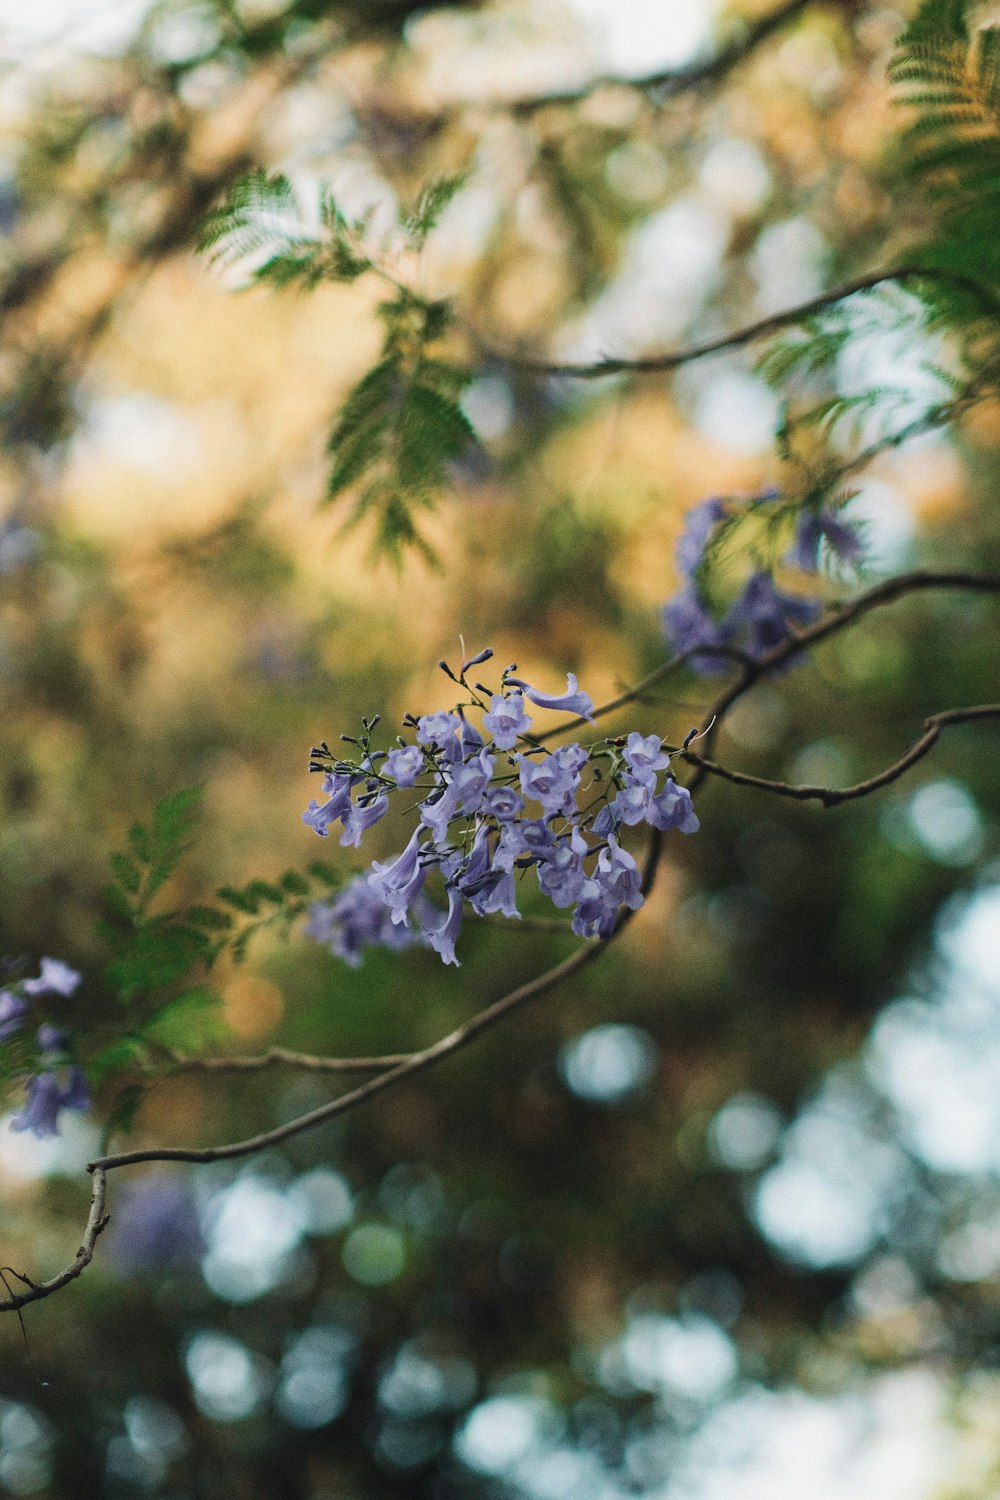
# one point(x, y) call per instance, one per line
point(97, 1220)
point(833, 796)
point(658, 364)
point(667, 83)
point(282, 1057)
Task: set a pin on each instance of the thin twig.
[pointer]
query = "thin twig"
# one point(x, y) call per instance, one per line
point(658, 364)
point(282, 1057)
point(668, 83)
point(832, 796)
point(97, 1219)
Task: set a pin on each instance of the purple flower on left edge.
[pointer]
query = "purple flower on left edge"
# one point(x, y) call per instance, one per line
point(12, 1013)
point(46, 1097)
point(56, 978)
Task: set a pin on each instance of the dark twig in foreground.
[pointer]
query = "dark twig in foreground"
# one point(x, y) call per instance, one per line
point(97, 1220)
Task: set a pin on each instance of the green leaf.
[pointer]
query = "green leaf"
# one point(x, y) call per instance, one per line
point(208, 918)
point(124, 1109)
point(434, 199)
point(124, 1052)
point(156, 957)
point(126, 872)
point(192, 1021)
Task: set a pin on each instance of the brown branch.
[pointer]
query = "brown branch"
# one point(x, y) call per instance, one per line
point(417, 1062)
point(833, 796)
point(667, 83)
point(658, 364)
point(282, 1057)
point(97, 1219)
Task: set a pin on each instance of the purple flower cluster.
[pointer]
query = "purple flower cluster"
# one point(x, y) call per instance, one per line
point(762, 616)
point(489, 812)
point(56, 1086)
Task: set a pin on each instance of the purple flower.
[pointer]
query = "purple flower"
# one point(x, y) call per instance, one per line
point(361, 817)
point(673, 808)
point(552, 781)
point(765, 614)
point(496, 893)
point(12, 1013)
point(399, 883)
point(355, 919)
point(645, 756)
point(438, 729)
point(470, 780)
point(56, 978)
point(442, 937)
point(503, 803)
point(46, 1097)
point(437, 811)
point(506, 719)
point(687, 624)
point(571, 702)
point(811, 528)
point(561, 875)
point(404, 765)
point(631, 806)
point(529, 840)
point(76, 1094)
point(319, 816)
point(616, 882)
point(701, 522)
point(470, 739)
point(51, 1038)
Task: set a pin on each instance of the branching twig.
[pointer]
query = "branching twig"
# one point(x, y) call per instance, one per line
point(668, 83)
point(97, 1219)
point(658, 364)
point(832, 796)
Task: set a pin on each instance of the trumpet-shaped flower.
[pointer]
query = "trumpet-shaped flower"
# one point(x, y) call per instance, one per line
point(404, 764)
point(506, 720)
point(442, 937)
point(572, 701)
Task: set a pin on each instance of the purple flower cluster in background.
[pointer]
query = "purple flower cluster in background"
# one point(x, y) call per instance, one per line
point(762, 616)
point(57, 1085)
point(490, 811)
